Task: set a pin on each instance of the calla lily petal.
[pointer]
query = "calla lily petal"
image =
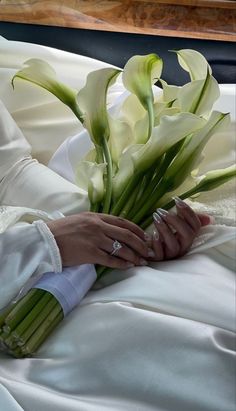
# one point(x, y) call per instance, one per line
point(194, 63)
point(199, 96)
point(121, 136)
point(140, 73)
point(140, 157)
point(215, 178)
point(89, 177)
point(92, 101)
point(190, 153)
point(42, 74)
point(170, 92)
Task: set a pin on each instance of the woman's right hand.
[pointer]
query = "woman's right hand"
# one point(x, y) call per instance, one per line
point(87, 238)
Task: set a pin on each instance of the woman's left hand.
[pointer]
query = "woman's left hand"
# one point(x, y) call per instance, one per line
point(174, 233)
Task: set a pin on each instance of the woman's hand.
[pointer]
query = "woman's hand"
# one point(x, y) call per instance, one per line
point(175, 233)
point(88, 238)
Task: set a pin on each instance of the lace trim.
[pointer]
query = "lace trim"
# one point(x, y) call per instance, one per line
point(53, 248)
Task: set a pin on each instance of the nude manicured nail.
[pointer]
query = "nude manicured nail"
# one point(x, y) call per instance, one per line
point(157, 218)
point(179, 202)
point(151, 253)
point(156, 235)
point(129, 265)
point(147, 236)
point(162, 212)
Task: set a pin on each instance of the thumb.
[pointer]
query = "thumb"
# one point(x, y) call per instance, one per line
point(205, 219)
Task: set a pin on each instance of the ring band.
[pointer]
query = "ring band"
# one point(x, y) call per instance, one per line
point(116, 246)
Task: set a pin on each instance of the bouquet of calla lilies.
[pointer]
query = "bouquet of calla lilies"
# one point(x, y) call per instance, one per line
point(143, 155)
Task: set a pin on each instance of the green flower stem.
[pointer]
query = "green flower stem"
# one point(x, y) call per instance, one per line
point(38, 321)
point(4, 315)
point(22, 307)
point(148, 190)
point(76, 110)
point(108, 194)
point(101, 271)
point(43, 331)
point(117, 208)
point(125, 212)
point(158, 193)
point(17, 353)
point(99, 154)
point(3, 337)
point(150, 117)
point(94, 207)
point(35, 317)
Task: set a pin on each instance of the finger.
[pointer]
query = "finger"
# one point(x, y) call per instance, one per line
point(183, 231)
point(124, 252)
point(187, 213)
point(123, 223)
point(170, 243)
point(157, 247)
point(205, 219)
point(112, 261)
point(127, 237)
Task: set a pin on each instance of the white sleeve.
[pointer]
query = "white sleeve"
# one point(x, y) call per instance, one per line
point(26, 183)
point(26, 252)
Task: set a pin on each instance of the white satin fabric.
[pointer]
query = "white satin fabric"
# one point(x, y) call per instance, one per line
point(155, 338)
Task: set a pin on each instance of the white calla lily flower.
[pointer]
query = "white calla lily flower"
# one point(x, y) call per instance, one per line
point(194, 63)
point(92, 102)
point(42, 74)
point(140, 157)
point(199, 96)
point(89, 177)
point(140, 73)
point(190, 153)
point(215, 178)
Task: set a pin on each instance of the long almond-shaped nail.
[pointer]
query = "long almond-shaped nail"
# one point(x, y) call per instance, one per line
point(151, 253)
point(156, 235)
point(157, 218)
point(162, 212)
point(143, 262)
point(179, 202)
point(147, 237)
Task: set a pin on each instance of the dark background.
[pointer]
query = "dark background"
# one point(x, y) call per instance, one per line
point(116, 48)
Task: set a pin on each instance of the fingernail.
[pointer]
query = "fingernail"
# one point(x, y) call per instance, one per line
point(179, 202)
point(162, 212)
point(147, 237)
point(129, 265)
point(151, 253)
point(143, 262)
point(156, 235)
point(211, 219)
point(157, 218)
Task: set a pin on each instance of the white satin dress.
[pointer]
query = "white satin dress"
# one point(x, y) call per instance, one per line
point(157, 338)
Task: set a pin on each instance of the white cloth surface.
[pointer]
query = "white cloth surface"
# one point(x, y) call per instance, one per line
point(155, 338)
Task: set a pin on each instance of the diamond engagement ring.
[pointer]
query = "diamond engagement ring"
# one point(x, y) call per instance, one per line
point(116, 246)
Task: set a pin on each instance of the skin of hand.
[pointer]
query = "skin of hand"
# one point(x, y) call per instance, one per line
point(175, 233)
point(87, 238)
